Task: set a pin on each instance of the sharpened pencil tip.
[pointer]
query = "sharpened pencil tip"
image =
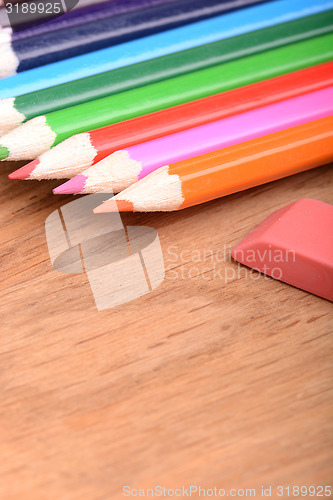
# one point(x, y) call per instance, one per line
point(4, 153)
point(114, 206)
point(73, 186)
point(23, 173)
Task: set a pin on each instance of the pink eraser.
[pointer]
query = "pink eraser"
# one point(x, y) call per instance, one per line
point(294, 245)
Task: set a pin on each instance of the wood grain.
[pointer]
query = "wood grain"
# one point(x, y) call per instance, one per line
point(201, 382)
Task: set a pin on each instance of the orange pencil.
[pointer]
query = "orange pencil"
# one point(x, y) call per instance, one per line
point(209, 176)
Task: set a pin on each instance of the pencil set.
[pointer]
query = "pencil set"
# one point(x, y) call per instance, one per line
point(169, 104)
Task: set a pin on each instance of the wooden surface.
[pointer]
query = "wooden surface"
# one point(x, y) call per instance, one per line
point(200, 382)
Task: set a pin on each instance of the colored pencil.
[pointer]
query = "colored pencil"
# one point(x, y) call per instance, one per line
point(43, 132)
point(87, 14)
point(204, 178)
point(15, 111)
point(125, 167)
point(171, 41)
point(81, 151)
point(55, 46)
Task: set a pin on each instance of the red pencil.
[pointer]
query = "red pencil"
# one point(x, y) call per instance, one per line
point(81, 151)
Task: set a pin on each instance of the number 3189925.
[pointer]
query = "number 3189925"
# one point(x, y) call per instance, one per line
point(304, 491)
point(32, 8)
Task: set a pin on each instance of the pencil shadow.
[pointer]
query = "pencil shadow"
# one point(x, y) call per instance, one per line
point(31, 193)
point(39, 194)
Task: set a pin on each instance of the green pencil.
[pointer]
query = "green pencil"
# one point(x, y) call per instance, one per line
point(15, 111)
point(43, 132)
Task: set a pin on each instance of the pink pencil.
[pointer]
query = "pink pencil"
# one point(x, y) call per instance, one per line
point(123, 168)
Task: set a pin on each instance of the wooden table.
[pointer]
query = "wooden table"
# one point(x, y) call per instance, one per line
point(207, 381)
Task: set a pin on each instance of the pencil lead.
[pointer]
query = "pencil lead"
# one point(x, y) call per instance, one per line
point(24, 172)
point(73, 186)
point(114, 205)
point(157, 192)
point(29, 140)
point(64, 160)
point(115, 172)
point(4, 153)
